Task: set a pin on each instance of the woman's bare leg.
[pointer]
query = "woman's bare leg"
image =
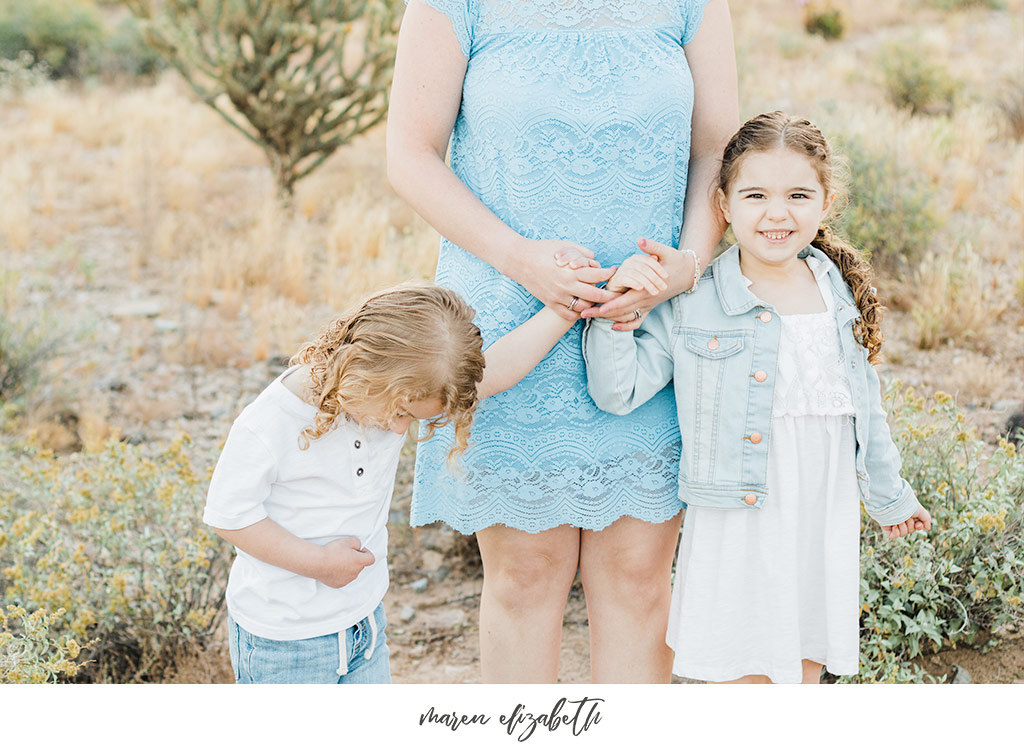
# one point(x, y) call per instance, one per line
point(626, 570)
point(526, 583)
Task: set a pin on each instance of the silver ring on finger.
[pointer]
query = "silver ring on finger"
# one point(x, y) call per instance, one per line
point(571, 306)
point(636, 315)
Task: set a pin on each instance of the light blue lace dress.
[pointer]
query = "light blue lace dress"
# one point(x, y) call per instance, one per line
point(574, 124)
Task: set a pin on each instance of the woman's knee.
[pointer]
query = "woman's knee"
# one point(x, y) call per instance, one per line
point(628, 572)
point(529, 578)
point(530, 573)
point(639, 580)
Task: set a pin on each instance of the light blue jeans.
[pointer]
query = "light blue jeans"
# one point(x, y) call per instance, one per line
point(317, 660)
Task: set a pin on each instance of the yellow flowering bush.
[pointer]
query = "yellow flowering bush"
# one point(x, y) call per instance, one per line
point(31, 653)
point(104, 553)
point(962, 581)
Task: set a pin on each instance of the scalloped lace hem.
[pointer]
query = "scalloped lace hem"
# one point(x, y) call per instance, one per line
point(534, 527)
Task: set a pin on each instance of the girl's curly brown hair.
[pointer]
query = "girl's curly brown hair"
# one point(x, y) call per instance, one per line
point(769, 131)
point(403, 345)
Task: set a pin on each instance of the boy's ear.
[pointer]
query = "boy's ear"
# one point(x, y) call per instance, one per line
point(723, 204)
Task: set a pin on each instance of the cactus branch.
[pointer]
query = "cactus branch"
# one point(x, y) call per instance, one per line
point(299, 78)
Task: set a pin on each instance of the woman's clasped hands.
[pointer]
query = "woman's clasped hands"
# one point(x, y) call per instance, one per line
point(563, 275)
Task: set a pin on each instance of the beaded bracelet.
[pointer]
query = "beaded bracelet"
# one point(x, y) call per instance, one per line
point(696, 269)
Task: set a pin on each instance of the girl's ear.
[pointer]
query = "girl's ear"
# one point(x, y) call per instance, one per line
point(828, 203)
point(723, 204)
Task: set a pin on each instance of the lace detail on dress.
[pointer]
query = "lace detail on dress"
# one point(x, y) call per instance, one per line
point(811, 377)
point(505, 16)
point(574, 124)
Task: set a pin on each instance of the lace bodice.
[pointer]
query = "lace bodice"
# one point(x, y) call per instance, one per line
point(575, 123)
point(811, 377)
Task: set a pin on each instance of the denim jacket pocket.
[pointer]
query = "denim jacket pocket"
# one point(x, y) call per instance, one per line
point(713, 345)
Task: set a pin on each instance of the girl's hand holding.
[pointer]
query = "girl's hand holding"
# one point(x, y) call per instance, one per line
point(678, 277)
point(920, 521)
point(342, 561)
point(639, 273)
point(555, 272)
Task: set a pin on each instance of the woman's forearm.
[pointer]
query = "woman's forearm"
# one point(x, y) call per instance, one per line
point(424, 180)
point(704, 223)
point(712, 59)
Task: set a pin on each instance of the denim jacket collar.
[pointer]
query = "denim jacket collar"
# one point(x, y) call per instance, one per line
point(734, 293)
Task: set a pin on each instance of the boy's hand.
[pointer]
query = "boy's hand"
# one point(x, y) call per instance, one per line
point(640, 272)
point(343, 560)
point(920, 521)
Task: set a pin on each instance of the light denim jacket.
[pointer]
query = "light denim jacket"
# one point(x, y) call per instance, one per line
point(714, 344)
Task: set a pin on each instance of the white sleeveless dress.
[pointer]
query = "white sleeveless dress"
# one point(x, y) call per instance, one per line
point(757, 591)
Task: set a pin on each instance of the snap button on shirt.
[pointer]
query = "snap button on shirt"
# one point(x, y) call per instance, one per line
point(713, 344)
point(765, 317)
point(755, 438)
point(760, 375)
point(750, 499)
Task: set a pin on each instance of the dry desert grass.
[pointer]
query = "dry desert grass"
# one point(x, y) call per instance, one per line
point(141, 230)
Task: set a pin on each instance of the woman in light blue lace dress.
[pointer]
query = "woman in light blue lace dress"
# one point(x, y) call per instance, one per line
point(582, 123)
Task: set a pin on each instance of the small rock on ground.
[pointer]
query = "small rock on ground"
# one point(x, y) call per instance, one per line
point(960, 675)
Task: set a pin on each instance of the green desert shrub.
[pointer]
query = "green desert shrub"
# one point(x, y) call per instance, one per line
point(960, 583)
point(824, 19)
point(111, 545)
point(24, 346)
point(18, 75)
point(70, 38)
point(64, 34)
point(125, 51)
point(890, 213)
point(912, 81)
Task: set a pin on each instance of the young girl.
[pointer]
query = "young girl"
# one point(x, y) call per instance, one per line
point(303, 486)
point(780, 413)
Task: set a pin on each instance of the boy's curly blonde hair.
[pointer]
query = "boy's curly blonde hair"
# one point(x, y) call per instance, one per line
point(413, 342)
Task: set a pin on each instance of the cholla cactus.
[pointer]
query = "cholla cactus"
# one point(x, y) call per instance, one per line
point(300, 78)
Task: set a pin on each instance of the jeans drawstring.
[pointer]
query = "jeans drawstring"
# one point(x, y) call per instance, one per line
point(343, 653)
point(373, 636)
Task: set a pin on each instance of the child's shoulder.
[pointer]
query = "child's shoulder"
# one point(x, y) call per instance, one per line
point(819, 261)
point(275, 410)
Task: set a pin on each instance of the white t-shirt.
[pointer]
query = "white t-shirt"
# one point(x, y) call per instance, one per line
point(340, 486)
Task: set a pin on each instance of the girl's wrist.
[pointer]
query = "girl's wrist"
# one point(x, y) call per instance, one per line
point(554, 321)
point(696, 268)
point(681, 271)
